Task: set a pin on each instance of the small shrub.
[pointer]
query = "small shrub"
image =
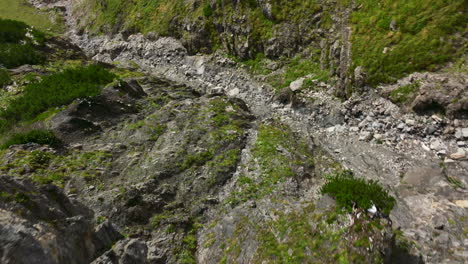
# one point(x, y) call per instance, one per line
point(14, 55)
point(18, 44)
point(12, 31)
point(4, 78)
point(43, 137)
point(207, 10)
point(349, 191)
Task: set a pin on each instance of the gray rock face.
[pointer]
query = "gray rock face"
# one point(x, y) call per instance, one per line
point(41, 225)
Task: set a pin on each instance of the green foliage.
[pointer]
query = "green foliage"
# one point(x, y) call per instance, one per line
point(40, 158)
point(404, 93)
point(53, 91)
point(12, 31)
point(349, 191)
point(425, 36)
point(18, 44)
point(14, 55)
point(4, 78)
point(207, 10)
point(43, 137)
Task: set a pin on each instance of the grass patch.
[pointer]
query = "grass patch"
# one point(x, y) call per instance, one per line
point(43, 137)
point(48, 21)
point(425, 36)
point(404, 93)
point(54, 90)
point(46, 168)
point(278, 152)
point(350, 192)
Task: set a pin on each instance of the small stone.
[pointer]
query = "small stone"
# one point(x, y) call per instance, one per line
point(77, 146)
point(354, 129)
point(401, 126)
point(460, 143)
point(430, 129)
point(437, 144)
point(464, 132)
point(426, 148)
point(216, 91)
point(366, 136)
point(447, 161)
point(91, 187)
point(448, 130)
point(297, 84)
point(410, 122)
point(442, 152)
point(330, 129)
point(436, 118)
point(234, 92)
point(457, 156)
point(378, 136)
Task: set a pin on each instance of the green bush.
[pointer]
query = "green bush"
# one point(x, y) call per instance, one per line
point(14, 55)
point(4, 78)
point(39, 136)
point(12, 31)
point(55, 90)
point(18, 44)
point(349, 191)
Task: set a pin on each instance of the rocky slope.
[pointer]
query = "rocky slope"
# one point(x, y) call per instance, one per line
point(198, 161)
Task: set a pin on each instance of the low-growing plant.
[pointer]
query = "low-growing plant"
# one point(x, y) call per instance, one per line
point(39, 136)
point(18, 44)
point(4, 78)
point(55, 90)
point(404, 93)
point(350, 192)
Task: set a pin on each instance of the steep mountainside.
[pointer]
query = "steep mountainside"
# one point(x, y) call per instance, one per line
point(260, 131)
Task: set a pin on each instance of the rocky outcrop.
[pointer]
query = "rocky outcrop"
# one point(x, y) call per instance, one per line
point(39, 224)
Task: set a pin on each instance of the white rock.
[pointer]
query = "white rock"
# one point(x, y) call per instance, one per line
point(297, 84)
point(234, 92)
point(354, 129)
point(378, 136)
point(410, 122)
point(437, 144)
point(330, 129)
point(447, 160)
point(366, 136)
point(372, 210)
point(426, 148)
point(436, 118)
point(457, 156)
point(461, 143)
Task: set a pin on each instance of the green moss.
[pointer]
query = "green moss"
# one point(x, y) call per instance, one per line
point(425, 36)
